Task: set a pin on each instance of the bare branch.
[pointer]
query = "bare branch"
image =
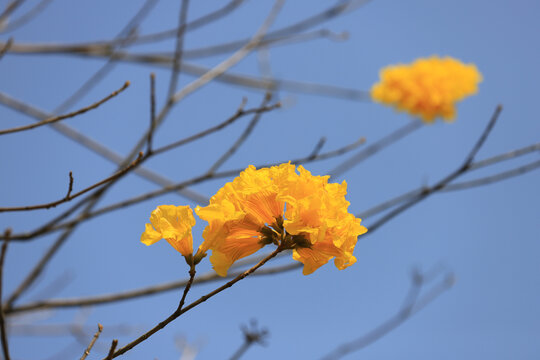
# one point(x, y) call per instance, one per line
point(202, 299)
point(474, 166)
point(69, 197)
point(66, 116)
point(177, 59)
point(242, 136)
point(137, 293)
point(3, 333)
point(412, 306)
point(6, 47)
point(114, 344)
point(152, 113)
point(129, 32)
point(91, 345)
point(375, 148)
point(444, 182)
point(26, 17)
point(251, 336)
point(96, 147)
point(493, 178)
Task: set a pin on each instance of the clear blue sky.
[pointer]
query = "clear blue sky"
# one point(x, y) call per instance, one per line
point(488, 237)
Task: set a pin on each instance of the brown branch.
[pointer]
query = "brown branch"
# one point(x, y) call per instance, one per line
point(54, 226)
point(177, 58)
point(6, 47)
point(474, 166)
point(91, 345)
point(3, 333)
point(10, 7)
point(26, 17)
point(375, 148)
point(137, 293)
point(152, 113)
point(69, 197)
point(493, 178)
point(251, 336)
point(411, 307)
point(129, 31)
point(202, 299)
point(66, 116)
point(188, 285)
point(96, 147)
point(444, 182)
point(245, 134)
point(114, 344)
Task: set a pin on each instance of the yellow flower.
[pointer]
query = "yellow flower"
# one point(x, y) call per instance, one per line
point(172, 223)
point(276, 205)
point(428, 88)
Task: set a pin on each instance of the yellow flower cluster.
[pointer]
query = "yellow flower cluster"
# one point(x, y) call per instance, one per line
point(428, 88)
point(277, 205)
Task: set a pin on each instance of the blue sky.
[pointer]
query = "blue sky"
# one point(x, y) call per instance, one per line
point(488, 236)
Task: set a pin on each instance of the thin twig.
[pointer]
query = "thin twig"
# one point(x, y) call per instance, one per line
point(10, 8)
point(54, 226)
point(69, 197)
point(375, 147)
point(152, 112)
point(409, 309)
point(242, 138)
point(3, 333)
point(66, 116)
point(251, 336)
point(70, 186)
point(91, 345)
point(137, 293)
point(188, 286)
point(129, 32)
point(442, 183)
point(214, 72)
point(114, 344)
point(26, 17)
point(239, 113)
point(6, 47)
point(474, 166)
point(177, 59)
point(317, 149)
point(493, 178)
point(202, 299)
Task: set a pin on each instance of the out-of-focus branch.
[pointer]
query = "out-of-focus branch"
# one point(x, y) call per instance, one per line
point(474, 166)
point(10, 8)
point(252, 335)
point(26, 17)
point(493, 178)
point(142, 292)
point(66, 116)
point(245, 134)
point(412, 305)
point(70, 197)
point(91, 345)
point(375, 148)
point(95, 146)
point(51, 225)
point(3, 333)
point(177, 59)
point(5, 47)
point(129, 30)
point(202, 299)
point(444, 182)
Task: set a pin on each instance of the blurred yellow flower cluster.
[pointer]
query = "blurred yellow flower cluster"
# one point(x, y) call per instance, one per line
point(277, 205)
point(427, 88)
